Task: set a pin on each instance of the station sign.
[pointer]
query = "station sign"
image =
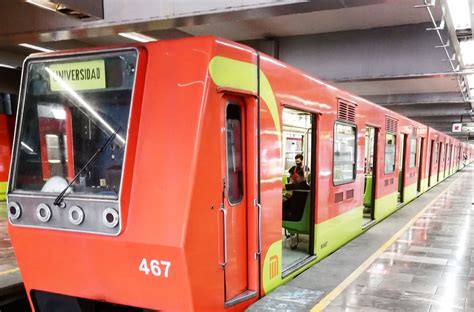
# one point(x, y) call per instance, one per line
point(457, 127)
point(464, 127)
point(468, 127)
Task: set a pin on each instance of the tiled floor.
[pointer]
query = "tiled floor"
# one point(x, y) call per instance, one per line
point(7, 258)
point(430, 267)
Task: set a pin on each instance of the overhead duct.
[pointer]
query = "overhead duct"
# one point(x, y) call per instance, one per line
point(83, 10)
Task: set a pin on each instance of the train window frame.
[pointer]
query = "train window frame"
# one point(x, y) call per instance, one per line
point(413, 152)
point(78, 57)
point(242, 156)
point(354, 166)
point(385, 153)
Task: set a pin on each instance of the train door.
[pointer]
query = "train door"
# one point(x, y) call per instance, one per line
point(433, 160)
point(298, 189)
point(401, 167)
point(420, 164)
point(370, 159)
point(440, 159)
point(234, 201)
point(446, 160)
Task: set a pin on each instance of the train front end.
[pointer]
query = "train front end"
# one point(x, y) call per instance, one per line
point(79, 244)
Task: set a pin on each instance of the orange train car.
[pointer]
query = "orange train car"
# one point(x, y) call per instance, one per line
point(157, 175)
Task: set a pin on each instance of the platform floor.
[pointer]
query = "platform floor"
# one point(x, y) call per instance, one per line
point(430, 267)
point(11, 285)
point(419, 259)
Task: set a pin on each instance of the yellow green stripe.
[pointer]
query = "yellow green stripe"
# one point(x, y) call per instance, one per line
point(230, 73)
point(3, 190)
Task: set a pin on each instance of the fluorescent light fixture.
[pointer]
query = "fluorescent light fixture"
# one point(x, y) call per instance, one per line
point(34, 47)
point(7, 66)
point(44, 4)
point(460, 13)
point(137, 36)
point(467, 52)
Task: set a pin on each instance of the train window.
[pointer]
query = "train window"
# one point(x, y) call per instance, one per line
point(389, 161)
point(72, 108)
point(344, 153)
point(412, 152)
point(435, 153)
point(234, 153)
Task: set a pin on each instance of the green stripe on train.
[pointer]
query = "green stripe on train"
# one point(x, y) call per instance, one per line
point(333, 233)
point(3, 191)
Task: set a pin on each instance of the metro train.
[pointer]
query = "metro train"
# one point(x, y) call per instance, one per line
point(159, 182)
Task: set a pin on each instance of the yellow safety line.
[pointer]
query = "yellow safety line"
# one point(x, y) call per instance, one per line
point(340, 288)
point(9, 271)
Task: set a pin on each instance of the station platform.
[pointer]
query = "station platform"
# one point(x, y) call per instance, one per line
point(421, 258)
point(11, 285)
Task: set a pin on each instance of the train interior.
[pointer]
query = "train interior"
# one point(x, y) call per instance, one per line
point(401, 168)
point(63, 127)
point(297, 233)
point(369, 173)
point(420, 164)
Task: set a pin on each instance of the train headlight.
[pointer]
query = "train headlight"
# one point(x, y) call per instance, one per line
point(14, 211)
point(76, 215)
point(110, 217)
point(43, 212)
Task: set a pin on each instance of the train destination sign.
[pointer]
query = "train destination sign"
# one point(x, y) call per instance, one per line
point(87, 75)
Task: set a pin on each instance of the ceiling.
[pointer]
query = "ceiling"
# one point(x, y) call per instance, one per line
point(238, 20)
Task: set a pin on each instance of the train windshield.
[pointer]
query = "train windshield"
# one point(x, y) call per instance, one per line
point(72, 108)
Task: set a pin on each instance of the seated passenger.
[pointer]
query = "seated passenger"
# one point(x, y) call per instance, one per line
point(293, 207)
point(297, 169)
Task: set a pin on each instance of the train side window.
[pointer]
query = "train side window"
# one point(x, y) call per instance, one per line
point(412, 152)
point(234, 153)
point(389, 161)
point(436, 153)
point(344, 158)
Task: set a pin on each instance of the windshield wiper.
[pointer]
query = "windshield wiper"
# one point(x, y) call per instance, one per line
point(59, 200)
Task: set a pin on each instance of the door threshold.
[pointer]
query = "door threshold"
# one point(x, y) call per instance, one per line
point(246, 295)
point(297, 265)
point(368, 224)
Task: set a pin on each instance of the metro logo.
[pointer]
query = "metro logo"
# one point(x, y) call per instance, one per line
point(273, 267)
point(87, 75)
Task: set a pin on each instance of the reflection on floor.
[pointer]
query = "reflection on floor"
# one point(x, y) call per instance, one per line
point(290, 256)
point(430, 267)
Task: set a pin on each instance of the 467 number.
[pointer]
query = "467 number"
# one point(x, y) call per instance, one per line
point(155, 267)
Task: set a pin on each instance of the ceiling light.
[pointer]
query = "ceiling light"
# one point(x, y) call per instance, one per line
point(460, 13)
point(30, 46)
point(137, 36)
point(467, 52)
point(44, 4)
point(7, 66)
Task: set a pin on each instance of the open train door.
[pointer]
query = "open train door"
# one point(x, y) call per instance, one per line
point(237, 206)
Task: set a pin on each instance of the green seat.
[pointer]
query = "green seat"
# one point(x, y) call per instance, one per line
point(301, 226)
point(368, 191)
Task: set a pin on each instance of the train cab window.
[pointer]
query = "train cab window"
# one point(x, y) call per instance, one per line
point(344, 153)
point(72, 108)
point(234, 153)
point(412, 152)
point(389, 161)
